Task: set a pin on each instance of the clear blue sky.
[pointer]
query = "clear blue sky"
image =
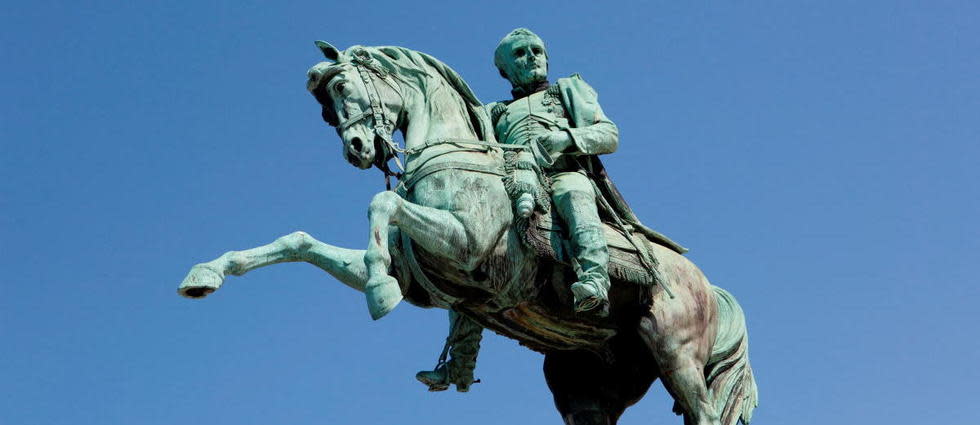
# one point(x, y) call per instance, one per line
point(819, 158)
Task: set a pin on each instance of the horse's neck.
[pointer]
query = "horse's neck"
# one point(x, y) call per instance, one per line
point(437, 114)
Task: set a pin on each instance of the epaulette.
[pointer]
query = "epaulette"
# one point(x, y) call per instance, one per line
point(498, 111)
point(553, 90)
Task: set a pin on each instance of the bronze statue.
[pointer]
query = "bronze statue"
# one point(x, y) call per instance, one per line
point(457, 233)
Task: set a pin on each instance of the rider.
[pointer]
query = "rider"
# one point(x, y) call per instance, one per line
point(563, 125)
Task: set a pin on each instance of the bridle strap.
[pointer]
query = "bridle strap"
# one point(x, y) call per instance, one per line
point(367, 68)
point(354, 120)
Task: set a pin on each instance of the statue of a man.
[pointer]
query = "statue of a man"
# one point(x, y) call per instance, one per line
point(563, 125)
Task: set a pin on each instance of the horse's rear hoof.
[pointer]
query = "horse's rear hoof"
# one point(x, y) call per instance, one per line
point(383, 294)
point(200, 282)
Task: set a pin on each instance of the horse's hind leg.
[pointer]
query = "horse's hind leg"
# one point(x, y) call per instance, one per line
point(681, 365)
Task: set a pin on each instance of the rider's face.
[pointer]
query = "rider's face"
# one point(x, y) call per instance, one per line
point(526, 62)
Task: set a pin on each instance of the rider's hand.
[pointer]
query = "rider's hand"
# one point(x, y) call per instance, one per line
point(555, 141)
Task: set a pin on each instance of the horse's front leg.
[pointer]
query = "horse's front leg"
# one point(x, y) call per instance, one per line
point(347, 265)
point(439, 232)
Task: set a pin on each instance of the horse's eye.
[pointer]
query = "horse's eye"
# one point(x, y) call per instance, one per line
point(339, 87)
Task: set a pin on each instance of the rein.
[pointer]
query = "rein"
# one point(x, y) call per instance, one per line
point(410, 178)
point(368, 68)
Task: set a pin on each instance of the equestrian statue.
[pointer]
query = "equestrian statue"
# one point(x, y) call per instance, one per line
point(504, 215)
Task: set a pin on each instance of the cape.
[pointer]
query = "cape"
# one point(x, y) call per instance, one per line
point(581, 103)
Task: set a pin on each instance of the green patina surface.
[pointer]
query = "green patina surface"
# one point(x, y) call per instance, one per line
point(504, 215)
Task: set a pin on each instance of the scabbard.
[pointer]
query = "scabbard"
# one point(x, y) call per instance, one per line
point(642, 252)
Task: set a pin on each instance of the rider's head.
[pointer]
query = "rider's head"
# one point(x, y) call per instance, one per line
point(522, 58)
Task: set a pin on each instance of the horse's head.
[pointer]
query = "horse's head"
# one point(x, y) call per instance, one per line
point(356, 95)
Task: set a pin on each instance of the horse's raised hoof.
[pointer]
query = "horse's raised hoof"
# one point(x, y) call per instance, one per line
point(383, 294)
point(200, 282)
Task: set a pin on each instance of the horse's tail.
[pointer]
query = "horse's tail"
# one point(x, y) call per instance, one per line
point(728, 374)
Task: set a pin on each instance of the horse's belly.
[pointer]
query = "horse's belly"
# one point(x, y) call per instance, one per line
point(541, 330)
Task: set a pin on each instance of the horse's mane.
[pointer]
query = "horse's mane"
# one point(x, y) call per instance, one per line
point(403, 64)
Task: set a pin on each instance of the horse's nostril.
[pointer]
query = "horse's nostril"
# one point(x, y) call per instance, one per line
point(356, 144)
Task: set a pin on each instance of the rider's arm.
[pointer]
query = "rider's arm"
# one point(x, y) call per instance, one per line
point(599, 138)
point(592, 132)
point(488, 108)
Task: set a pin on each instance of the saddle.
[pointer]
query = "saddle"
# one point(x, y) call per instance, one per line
point(545, 235)
point(631, 256)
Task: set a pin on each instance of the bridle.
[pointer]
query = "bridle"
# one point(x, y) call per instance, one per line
point(370, 71)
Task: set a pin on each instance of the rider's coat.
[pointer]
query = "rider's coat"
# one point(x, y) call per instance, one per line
point(528, 117)
point(572, 106)
point(583, 118)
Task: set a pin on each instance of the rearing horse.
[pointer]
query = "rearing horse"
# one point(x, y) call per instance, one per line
point(446, 238)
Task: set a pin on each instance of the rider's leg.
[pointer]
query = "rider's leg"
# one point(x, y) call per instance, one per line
point(575, 201)
point(463, 345)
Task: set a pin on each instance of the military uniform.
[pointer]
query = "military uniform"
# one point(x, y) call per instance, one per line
point(555, 108)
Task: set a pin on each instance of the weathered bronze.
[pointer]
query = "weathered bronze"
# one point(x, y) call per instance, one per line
point(504, 216)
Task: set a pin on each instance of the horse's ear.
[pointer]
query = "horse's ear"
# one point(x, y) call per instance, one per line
point(328, 50)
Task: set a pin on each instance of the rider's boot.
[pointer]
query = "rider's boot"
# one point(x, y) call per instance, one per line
point(436, 380)
point(591, 292)
point(461, 349)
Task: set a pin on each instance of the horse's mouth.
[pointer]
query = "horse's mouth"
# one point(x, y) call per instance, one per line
point(362, 160)
point(366, 158)
point(380, 154)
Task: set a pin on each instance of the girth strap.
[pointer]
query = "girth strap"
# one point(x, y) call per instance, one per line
point(413, 265)
point(410, 178)
point(484, 146)
point(417, 175)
